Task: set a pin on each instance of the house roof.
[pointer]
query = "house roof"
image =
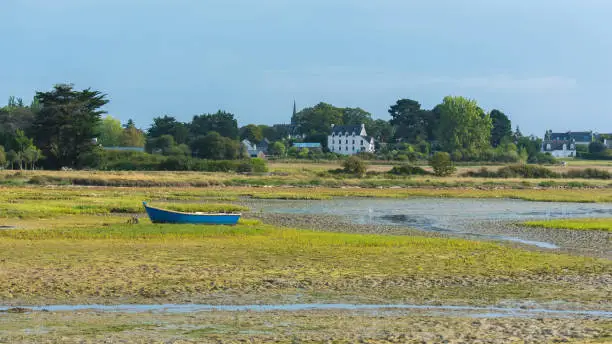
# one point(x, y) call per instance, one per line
point(127, 149)
point(307, 145)
point(341, 129)
point(557, 145)
point(580, 136)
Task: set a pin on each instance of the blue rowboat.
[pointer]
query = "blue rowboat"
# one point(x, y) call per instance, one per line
point(169, 216)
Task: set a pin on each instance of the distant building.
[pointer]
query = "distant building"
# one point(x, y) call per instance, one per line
point(125, 149)
point(350, 139)
point(315, 146)
point(563, 145)
point(254, 150)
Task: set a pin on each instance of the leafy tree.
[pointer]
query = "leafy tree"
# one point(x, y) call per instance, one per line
point(442, 164)
point(252, 133)
point(502, 127)
point(517, 134)
point(2, 157)
point(410, 120)
point(223, 123)
point(67, 123)
point(317, 120)
point(354, 165)
point(168, 125)
point(381, 130)
point(13, 158)
point(132, 137)
point(463, 125)
point(163, 144)
point(597, 148)
point(216, 147)
point(529, 144)
point(14, 116)
point(110, 132)
point(356, 116)
point(278, 148)
point(303, 153)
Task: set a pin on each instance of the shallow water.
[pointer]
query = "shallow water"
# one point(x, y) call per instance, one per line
point(452, 215)
point(470, 311)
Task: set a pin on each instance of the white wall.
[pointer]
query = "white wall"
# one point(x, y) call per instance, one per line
point(356, 144)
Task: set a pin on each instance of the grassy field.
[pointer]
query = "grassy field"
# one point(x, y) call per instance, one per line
point(578, 224)
point(99, 259)
point(73, 245)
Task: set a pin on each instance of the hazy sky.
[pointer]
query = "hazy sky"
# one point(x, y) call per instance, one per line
point(546, 63)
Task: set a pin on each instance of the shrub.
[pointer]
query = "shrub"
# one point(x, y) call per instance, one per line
point(442, 164)
point(409, 170)
point(354, 165)
point(589, 173)
point(596, 147)
point(514, 171)
point(542, 158)
point(259, 165)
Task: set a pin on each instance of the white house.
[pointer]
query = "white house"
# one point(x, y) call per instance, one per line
point(562, 145)
point(349, 140)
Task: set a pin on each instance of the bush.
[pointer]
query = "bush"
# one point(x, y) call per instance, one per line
point(442, 164)
point(514, 171)
point(596, 148)
point(355, 166)
point(259, 165)
point(589, 173)
point(542, 158)
point(409, 170)
point(139, 161)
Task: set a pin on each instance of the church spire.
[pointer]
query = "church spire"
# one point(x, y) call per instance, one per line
point(294, 108)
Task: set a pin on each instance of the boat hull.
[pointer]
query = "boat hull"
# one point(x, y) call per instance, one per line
point(168, 216)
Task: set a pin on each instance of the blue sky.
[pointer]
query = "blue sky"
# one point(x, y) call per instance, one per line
point(546, 63)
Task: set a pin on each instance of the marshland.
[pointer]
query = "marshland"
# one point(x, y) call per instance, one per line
point(509, 244)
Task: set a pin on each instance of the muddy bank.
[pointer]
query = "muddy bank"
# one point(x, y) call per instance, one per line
point(303, 326)
point(490, 220)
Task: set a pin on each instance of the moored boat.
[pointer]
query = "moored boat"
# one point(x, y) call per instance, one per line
point(158, 215)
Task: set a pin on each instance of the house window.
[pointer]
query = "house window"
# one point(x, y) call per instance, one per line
point(353, 141)
point(333, 141)
point(347, 142)
point(353, 149)
point(548, 147)
point(346, 148)
point(362, 142)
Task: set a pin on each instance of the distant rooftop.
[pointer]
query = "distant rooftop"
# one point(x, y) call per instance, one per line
point(127, 149)
point(307, 145)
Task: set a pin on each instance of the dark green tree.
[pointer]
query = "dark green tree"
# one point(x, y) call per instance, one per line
point(67, 124)
point(597, 148)
point(356, 116)
point(223, 123)
point(252, 133)
point(168, 125)
point(410, 120)
point(381, 130)
point(14, 117)
point(317, 120)
point(502, 127)
point(162, 144)
point(216, 147)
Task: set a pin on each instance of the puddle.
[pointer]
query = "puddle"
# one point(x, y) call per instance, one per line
point(444, 215)
point(470, 311)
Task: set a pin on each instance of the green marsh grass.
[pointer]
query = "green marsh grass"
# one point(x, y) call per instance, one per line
point(152, 263)
point(577, 224)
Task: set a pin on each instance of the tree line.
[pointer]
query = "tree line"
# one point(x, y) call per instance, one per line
point(65, 127)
